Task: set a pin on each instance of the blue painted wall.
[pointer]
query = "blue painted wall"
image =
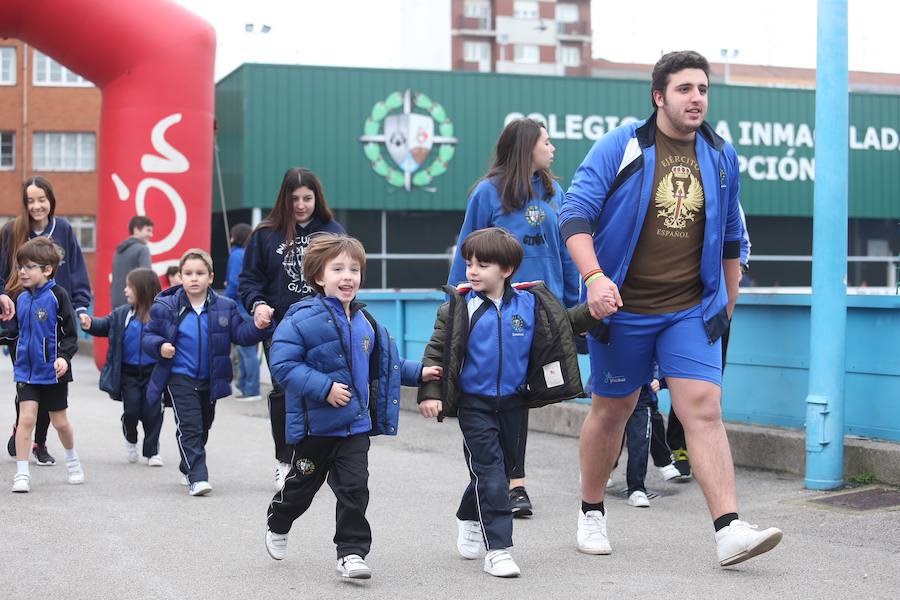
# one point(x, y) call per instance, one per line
point(768, 358)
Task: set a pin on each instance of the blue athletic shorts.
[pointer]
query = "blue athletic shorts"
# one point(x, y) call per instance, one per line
point(677, 341)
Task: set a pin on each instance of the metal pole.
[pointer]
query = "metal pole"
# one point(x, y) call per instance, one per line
point(828, 315)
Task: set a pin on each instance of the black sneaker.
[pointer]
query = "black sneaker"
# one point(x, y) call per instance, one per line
point(520, 503)
point(11, 444)
point(683, 465)
point(41, 456)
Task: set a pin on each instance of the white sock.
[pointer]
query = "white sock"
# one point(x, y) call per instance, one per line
point(22, 467)
point(70, 454)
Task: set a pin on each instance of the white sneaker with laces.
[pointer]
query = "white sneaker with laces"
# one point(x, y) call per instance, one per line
point(155, 461)
point(199, 488)
point(276, 544)
point(740, 540)
point(353, 566)
point(21, 483)
point(669, 472)
point(638, 499)
point(281, 472)
point(591, 536)
point(500, 564)
point(132, 452)
point(184, 480)
point(469, 540)
point(76, 473)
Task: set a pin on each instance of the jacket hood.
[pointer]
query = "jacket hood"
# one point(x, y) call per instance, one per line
point(125, 245)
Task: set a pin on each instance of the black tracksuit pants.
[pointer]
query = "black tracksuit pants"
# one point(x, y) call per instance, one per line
point(277, 417)
point(43, 415)
point(135, 408)
point(645, 437)
point(194, 413)
point(493, 439)
point(344, 463)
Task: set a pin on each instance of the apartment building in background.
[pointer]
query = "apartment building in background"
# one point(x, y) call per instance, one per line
point(49, 123)
point(539, 37)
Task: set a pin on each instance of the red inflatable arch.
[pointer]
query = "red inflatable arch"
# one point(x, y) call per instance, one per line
point(153, 61)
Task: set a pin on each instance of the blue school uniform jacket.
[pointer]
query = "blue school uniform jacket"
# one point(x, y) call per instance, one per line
point(113, 327)
point(46, 331)
point(225, 326)
point(313, 347)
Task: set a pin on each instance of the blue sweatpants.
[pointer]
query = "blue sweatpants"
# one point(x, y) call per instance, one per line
point(194, 414)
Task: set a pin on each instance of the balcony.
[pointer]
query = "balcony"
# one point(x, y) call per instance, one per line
point(573, 32)
point(480, 26)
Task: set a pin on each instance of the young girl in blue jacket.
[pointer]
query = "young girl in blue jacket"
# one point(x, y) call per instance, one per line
point(342, 375)
point(190, 333)
point(126, 374)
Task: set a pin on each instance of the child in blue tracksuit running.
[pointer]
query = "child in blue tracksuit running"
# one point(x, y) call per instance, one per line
point(342, 374)
point(190, 332)
point(126, 374)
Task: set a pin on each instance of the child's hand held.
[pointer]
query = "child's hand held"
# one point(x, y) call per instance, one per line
point(432, 373)
point(167, 350)
point(430, 408)
point(85, 321)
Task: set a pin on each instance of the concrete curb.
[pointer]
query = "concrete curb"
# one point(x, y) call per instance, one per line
point(752, 446)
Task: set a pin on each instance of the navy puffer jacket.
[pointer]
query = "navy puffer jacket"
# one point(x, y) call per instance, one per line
point(226, 326)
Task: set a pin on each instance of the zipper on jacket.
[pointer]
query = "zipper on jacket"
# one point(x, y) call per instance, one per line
point(499, 347)
point(344, 348)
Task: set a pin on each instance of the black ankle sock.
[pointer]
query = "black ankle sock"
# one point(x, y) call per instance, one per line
point(587, 506)
point(724, 521)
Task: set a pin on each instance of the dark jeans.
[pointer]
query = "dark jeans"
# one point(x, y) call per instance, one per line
point(194, 414)
point(344, 463)
point(135, 408)
point(492, 441)
point(277, 416)
point(645, 435)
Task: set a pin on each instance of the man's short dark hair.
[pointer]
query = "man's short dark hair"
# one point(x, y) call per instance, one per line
point(138, 222)
point(672, 63)
point(493, 245)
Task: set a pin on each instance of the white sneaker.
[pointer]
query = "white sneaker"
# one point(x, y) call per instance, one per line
point(200, 488)
point(353, 567)
point(500, 564)
point(469, 540)
point(592, 533)
point(185, 480)
point(638, 499)
point(669, 472)
point(76, 473)
point(608, 482)
point(741, 540)
point(276, 544)
point(281, 471)
point(132, 452)
point(21, 483)
point(155, 461)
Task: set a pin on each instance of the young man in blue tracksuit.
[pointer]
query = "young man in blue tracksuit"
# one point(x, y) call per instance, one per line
point(190, 331)
point(652, 220)
point(342, 374)
point(46, 340)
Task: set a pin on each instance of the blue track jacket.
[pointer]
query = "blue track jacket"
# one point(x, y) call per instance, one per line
point(46, 331)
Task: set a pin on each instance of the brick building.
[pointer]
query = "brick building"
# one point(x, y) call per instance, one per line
point(49, 119)
point(539, 37)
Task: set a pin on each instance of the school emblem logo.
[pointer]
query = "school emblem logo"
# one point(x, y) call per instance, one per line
point(366, 344)
point(223, 321)
point(518, 325)
point(410, 139)
point(679, 197)
point(535, 215)
point(41, 314)
point(305, 466)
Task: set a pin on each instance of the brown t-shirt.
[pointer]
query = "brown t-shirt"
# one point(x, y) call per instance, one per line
point(664, 275)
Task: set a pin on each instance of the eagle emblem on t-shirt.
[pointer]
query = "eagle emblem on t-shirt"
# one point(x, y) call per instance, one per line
point(679, 197)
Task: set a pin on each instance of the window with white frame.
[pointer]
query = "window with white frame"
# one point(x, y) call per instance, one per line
point(526, 9)
point(7, 150)
point(527, 54)
point(48, 72)
point(568, 56)
point(476, 51)
point(567, 13)
point(85, 230)
point(478, 9)
point(7, 65)
point(56, 151)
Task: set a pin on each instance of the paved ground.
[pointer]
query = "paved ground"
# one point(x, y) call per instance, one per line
point(132, 531)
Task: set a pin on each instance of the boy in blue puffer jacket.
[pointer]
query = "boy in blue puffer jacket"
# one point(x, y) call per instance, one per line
point(190, 332)
point(342, 376)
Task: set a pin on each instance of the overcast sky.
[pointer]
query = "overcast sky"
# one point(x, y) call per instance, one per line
point(370, 33)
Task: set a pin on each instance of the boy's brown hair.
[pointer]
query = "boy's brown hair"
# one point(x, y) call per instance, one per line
point(197, 253)
point(325, 247)
point(42, 251)
point(493, 245)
